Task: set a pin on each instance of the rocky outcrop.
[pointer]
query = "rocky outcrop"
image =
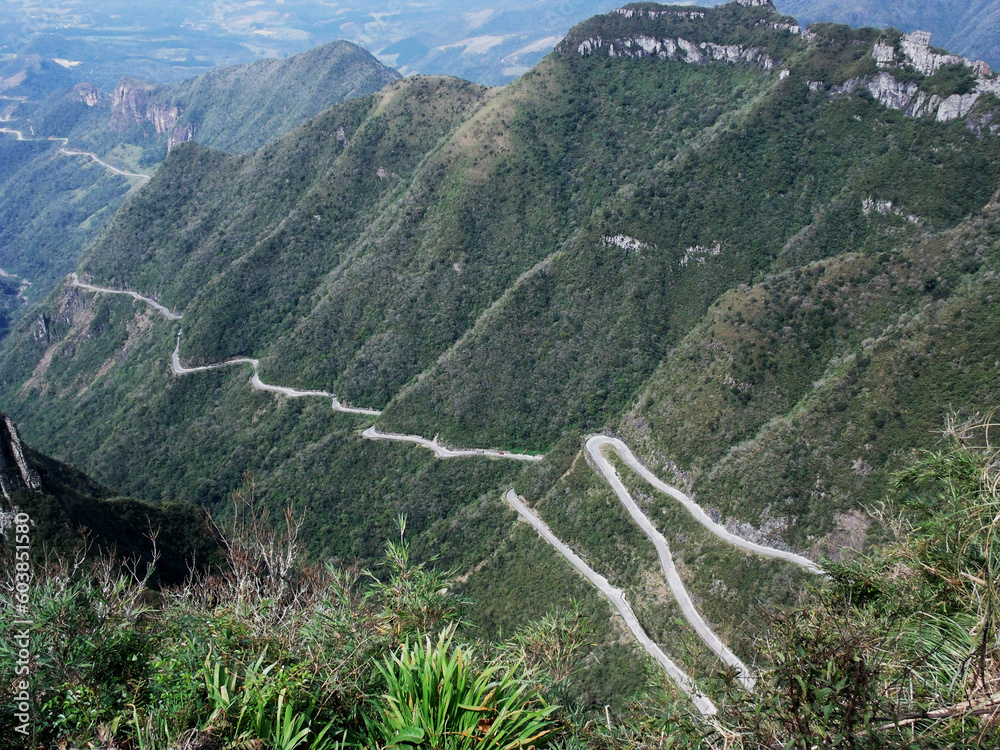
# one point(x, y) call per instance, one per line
point(907, 96)
point(649, 13)
point(129, 103)
point(41, 329)
point(625, 242)
point(16, 470)
point(179, 135)
point(918, 55)
point(135, 103)
point(89, 94)
point(660, 39)
point(638, 46)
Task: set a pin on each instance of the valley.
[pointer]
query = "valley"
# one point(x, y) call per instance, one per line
point(594, 447)
point(52, 209)
point(688, 297)
point(516, 269)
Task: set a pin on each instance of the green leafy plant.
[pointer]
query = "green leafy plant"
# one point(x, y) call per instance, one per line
point(436, 699)
point(415, 597)
point(255, 705)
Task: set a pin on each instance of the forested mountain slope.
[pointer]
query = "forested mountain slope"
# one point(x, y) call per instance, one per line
point(71, 516)
point(737, 242)
point(54, 200)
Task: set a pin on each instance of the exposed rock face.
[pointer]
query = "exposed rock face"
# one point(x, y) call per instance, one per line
point(673, 49)
point(41, 332)
point(89, 94)
point(648, 13)
point(916, 48)
point(128, 103)
point(884, 54)
point(179, 135)
point(135, 103)
point(641, 45)
point(907, 96)
point(16, 471)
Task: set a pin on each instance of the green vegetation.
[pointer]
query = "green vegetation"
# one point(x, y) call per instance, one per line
point(434, 700)
point(772, 294)
point(952, 79)
point(53, 206)
point(272, 649)
point(72, 515)
point(242, 108)
point(899, 648)
point(963, 28)
point(902, 648)
point(794, 399)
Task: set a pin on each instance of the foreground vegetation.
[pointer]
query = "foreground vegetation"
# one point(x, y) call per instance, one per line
point(900, 649)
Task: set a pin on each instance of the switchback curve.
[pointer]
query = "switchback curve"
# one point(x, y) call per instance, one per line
point(593, 447)
point(617, 598)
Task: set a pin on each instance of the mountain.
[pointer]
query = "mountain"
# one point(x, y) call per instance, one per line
point(243, 107)
point(66, 511)
point(968, 28)
point(489, 43)
point(764, 255)
point(70, 159)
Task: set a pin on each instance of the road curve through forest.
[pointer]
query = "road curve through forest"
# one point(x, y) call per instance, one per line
point(442, 452)
point(73, 152)
point(617, 599)
point(257, 384)
point(594, 446)
point(152, 303)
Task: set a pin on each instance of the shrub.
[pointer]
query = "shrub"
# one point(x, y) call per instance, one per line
point(436, 699)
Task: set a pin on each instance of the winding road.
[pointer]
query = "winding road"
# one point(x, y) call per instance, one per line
point(442, 452)
point(257, 384)
point(75, 279)
point(617, 599)
point(73, 152)
point(594, 448)
point(594, 445)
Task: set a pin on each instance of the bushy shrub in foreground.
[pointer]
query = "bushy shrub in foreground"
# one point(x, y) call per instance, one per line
point(270, 652)
point(899, 648)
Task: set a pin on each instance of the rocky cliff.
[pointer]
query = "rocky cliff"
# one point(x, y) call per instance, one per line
point(909, 54)
point(135, 103)
point(89, 94)
point(685, 34)
point(901, 71)
point(16, 471)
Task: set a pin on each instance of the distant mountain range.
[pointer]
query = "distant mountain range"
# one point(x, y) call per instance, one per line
point(54, 200)
point(487, 43)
